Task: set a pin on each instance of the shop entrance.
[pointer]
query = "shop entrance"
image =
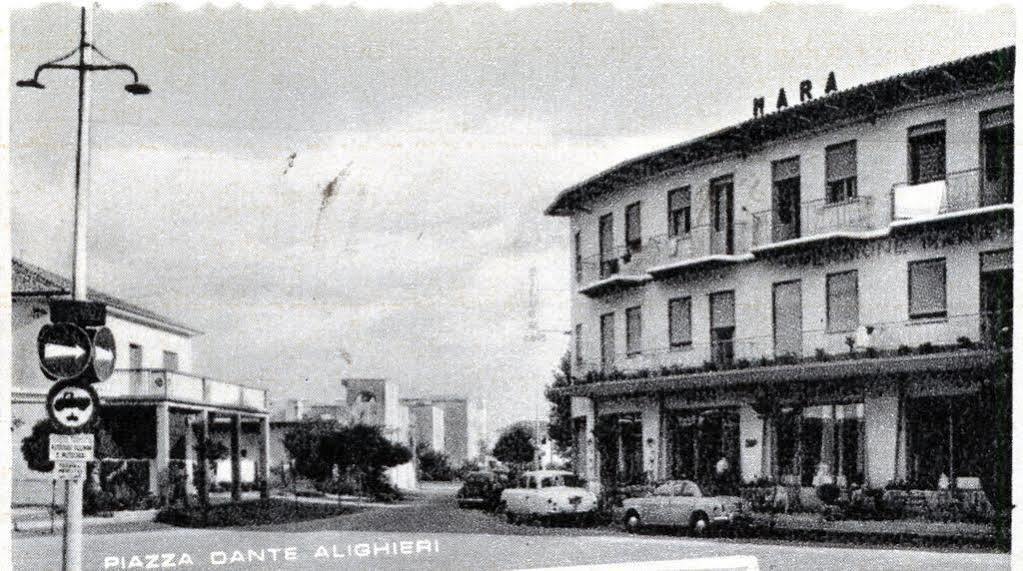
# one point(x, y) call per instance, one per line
point(950, 436)
point(703, 446)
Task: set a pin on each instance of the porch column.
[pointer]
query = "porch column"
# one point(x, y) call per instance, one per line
point(751, 445)
point(264, 457)
point(651, 419)
point(161, 464)
point(881, 417)
point(584, 407)
point(203, 480)
point(236, 457)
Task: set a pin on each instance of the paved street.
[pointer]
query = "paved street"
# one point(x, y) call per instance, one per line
point(449, 538)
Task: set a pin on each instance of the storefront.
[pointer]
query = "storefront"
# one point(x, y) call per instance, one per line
point(703, 446)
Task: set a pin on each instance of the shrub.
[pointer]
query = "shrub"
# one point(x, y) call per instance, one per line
point(255, 512)
point(926, 348)
point(903, 350)
point(828, 493)
point(871, 353)
point(743, 364)
point(821, 355)
point(965, 342)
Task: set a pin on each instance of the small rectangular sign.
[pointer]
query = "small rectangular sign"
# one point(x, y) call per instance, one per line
point(67, 470)
point(72, 447)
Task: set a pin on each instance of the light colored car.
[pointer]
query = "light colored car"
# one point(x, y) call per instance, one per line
point(547, 494)
point(679, 503)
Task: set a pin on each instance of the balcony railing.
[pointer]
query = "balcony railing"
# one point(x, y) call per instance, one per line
point(182, 387)
point(816, 218)
point(974, 331)
point(634, 262)
point(957, 192)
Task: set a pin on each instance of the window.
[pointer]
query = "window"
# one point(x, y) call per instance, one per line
point(722, 327)
point(822, 444)
point(579, 344)
point(577, 248)
point(633, 228)
point(840, 172)
point(721, 195)
point(170, 360)
point(927, 288)
point(679, 212)
point(786, 199)
point(608, 260)
point(134, 356)
point(843, 302)
point(607, 341)
point(927, 153)
point(634, 330)
point(680, 321)
point(996, 139)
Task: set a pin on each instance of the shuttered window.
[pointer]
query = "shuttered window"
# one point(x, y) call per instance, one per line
point(843, 302)
point(927, 288)
point(579, 344)
point(633, 230)
point(680, 321)
point(633, 330)
point(927, 153)
point(840, 171)
point(722, 309)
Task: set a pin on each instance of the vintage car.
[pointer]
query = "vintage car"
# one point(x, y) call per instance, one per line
point(679, 503)
point(547, 495)
point(481, 490)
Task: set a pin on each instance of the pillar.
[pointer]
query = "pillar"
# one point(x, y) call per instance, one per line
point(264, 457)
point(751, 444)
point(236, 457)
point(203, 481)
point(161, 464)
point(584, 407)
point(881, 417)
point(651, 419)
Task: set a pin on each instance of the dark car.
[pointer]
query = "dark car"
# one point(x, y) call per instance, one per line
point(481, 490)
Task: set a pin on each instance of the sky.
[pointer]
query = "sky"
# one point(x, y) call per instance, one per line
point(453, 127)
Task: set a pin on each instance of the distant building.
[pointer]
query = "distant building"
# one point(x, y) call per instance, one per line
point(153, 406)
point(463, 425)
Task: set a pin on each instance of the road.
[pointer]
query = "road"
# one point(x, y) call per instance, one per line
point(437, 535)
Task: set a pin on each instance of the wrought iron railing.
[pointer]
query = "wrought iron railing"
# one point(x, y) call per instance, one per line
point(957, 192)
point(815, 218)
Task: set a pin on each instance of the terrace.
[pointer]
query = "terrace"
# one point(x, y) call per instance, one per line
point(134, 385)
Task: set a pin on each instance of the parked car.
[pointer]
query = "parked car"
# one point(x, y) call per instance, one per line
point(680, 503)
point(481, 490)
point(547, 495)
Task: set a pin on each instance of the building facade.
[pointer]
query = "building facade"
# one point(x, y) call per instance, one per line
point(453, 425)
point(818, 295)
point(153, 407)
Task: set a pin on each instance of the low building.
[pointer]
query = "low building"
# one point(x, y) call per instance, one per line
point(153, 407)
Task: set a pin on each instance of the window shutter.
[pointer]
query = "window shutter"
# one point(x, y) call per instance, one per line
point(994, 261)
point(927, 288)
point(785, 169)
point(843, 302)
point(840, 161)
point(680, 321)
point(632, 223)
point(679, 198)
point(722, 309)
point(996, 117)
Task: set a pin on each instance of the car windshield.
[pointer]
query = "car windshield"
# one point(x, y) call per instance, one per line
point(570, 480)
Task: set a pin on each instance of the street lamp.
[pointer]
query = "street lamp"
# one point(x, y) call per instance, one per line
point(72, 544)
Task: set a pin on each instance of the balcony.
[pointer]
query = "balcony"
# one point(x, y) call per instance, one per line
point(817, 220)
point(161, 384)
point(958, 194)
point(876, 349)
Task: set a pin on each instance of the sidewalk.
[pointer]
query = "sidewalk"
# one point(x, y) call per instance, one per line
point(899, 531)
point(37, 519)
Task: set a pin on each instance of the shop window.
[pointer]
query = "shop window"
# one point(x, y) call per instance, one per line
point(621, 449)
point(927, 289)
point(633, 227)
point(680, 321)
point(679, 212)
point(843, 302)
point(821, 444)
point(703, 446)
point(950, 437)
point(927, 153)
point(634, 330)
point(840, 172)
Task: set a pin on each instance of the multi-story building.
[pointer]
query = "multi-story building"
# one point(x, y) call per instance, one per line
point(450, 424)
point(153, 407)
point(819, 294)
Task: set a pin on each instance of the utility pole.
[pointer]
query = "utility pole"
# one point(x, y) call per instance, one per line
point(74, 488)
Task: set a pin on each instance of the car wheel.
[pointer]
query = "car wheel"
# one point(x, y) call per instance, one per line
point(512, 518)
point(632, 522)
point(699, 524)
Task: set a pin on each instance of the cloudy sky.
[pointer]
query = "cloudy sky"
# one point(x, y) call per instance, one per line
point(456, 125)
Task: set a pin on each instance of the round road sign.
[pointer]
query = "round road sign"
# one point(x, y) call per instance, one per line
point(64, 350)
point(72, 405)
point(104, 353)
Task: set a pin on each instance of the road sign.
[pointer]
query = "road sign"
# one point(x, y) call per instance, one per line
point(65, 470)
point(64, 350)
point(72, 447)
point(104, 354)
point(72, 405)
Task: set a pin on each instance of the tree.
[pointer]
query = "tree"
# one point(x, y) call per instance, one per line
point(303, 443)
point(560, 428)
point(433, 466)
point(362, 449)
point(515, 446)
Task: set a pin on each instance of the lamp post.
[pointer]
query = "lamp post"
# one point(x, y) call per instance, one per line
point(72, 548)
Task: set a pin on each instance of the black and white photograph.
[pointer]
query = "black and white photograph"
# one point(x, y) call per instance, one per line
point(508, 286)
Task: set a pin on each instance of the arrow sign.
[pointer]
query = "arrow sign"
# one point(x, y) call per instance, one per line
point(64, 350)
point(104, 354)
